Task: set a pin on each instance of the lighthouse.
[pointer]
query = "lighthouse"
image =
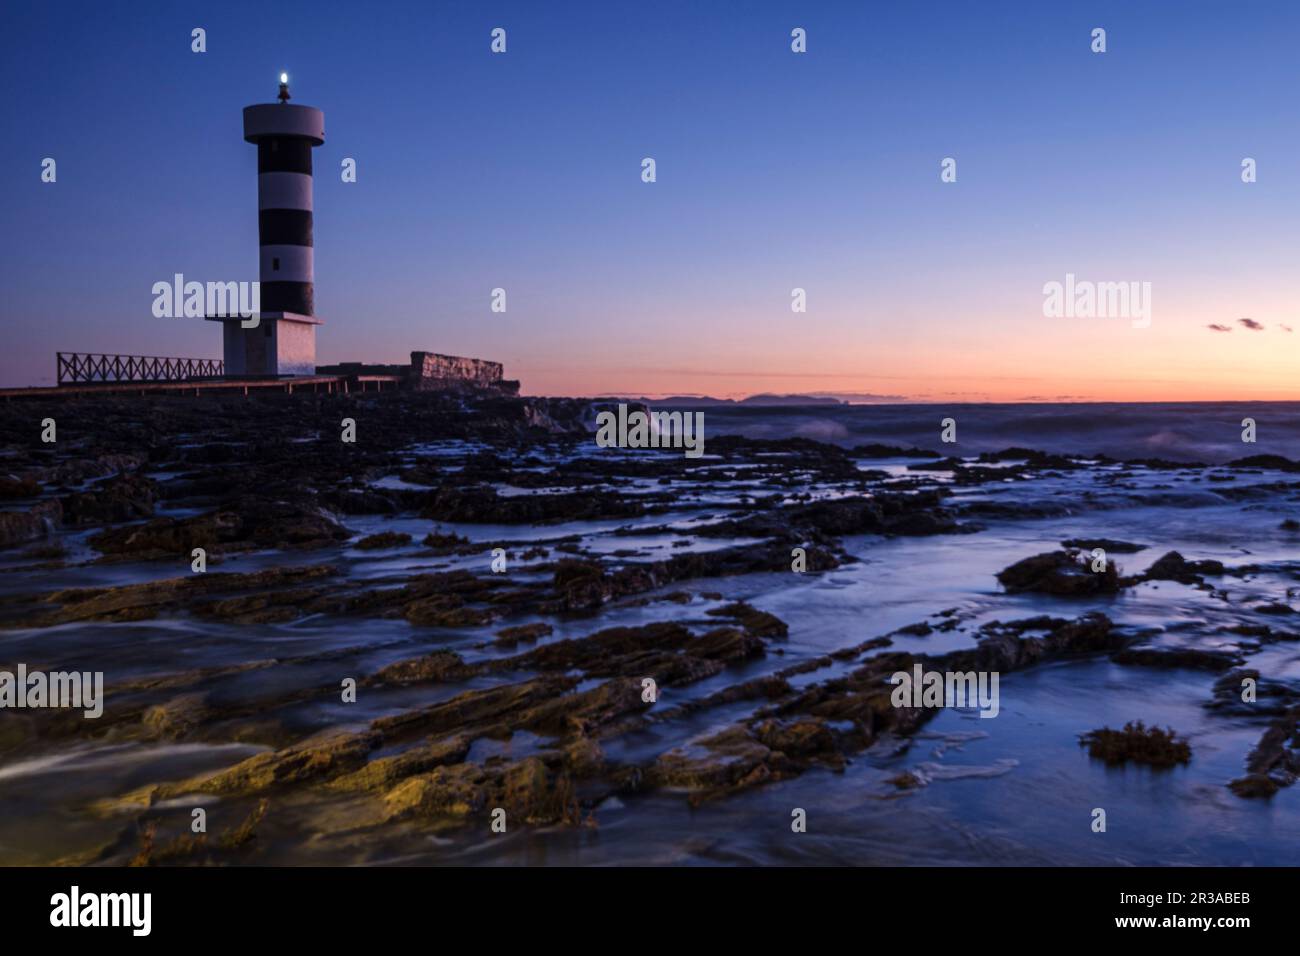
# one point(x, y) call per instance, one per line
point(283, 342)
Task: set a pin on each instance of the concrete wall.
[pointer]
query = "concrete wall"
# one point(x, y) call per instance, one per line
point(273, 347)
point(295, 348)
point(430, 371)
point(232, 342)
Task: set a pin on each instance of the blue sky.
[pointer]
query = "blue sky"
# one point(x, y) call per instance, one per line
point(775, 171)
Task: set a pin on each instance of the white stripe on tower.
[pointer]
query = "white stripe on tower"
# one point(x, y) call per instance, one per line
point(284, 191)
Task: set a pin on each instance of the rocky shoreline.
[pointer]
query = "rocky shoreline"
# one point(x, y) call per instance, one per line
point(542, 686)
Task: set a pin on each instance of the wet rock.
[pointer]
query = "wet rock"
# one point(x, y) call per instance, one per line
point(756, 622)
point(1174, 567)
point(726, 762)
point(742, 757)
point(607, 652)
point(1276, 462)
point(386, 772)
point(135, 602)
point(920, 513)
point(593, 712)
point(258, 523)
point(12, 487)
point(472, 711)
point(189, 849)
point(74, 471)
point(803, 739)
point(1271, 698)
point(122, 498)
point(268, 607)
point(385, 539)
point(359, 501)
point(581, 584)
point(447, 611)
point(905, 781)
point(1162, 464)
point(1062, 573)
point(458, 790)
point(1254, 786)
point(524, 632)
point(1034, 459)
point(771, 687)
point(16, 730)
point(483, 505)
point(177, 717)
point(1274, 608)
point(527, 790)
point(439, 666)
point(314, 759)
point(727, 644)
point(173, 537)
point(1262, 633)
point(863, 698)
point(1190, 657)
point(23, 527)
point(444, 543)
point(890, 451)
point(584, 757)
point(51, 551)
point(1274, 762)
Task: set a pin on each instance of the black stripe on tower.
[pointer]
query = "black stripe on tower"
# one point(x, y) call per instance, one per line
point(284, 154)
point(288, 297)
point(284, 227)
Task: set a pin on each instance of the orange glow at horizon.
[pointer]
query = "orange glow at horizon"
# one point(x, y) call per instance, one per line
point(1048, 360)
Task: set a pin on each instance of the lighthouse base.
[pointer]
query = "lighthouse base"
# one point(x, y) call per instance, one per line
point(281, 344)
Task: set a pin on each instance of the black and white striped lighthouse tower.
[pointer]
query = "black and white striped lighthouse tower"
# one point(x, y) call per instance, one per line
point(284, 342)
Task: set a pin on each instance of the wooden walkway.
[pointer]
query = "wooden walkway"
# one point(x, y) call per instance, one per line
point(343, 384)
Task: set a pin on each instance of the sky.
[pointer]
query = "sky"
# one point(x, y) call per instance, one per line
point(775, 170)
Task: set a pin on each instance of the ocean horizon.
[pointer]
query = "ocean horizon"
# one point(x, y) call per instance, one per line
point(1209, 432)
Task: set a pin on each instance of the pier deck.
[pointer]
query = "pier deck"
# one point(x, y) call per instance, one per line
point(330, 384)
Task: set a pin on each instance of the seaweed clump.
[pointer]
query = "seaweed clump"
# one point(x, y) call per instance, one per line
point(1137, 743)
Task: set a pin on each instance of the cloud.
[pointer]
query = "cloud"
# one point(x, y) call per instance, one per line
point(1216, 327)
point(1250, 324)
point(1284, 327)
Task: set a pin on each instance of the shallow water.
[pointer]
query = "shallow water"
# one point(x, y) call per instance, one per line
point(1014, 789)
point(1180, 431)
